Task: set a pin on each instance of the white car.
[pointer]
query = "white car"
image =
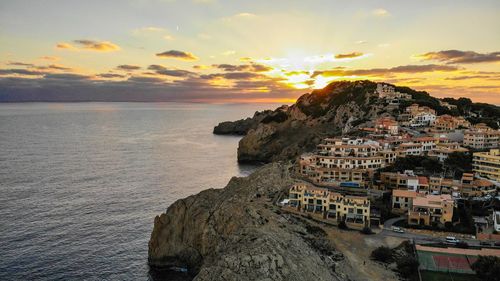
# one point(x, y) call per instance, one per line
point(398, 230)
point(451, 240)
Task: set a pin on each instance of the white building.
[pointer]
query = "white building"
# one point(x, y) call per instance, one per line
point(422, 119)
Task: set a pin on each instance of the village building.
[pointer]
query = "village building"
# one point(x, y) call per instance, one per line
point(330, 205)
point(346, 164)
point(431, 210)
point(482, 137)
point(386, 125)
point(443, 150)
point(402, 200)
point(390, 95)
point(487, 164)
point(450, 123)
point(403, 181)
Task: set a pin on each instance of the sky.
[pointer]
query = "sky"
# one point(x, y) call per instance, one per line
point(219, 51)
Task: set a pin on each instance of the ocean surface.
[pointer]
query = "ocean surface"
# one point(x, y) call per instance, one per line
point(81, 183)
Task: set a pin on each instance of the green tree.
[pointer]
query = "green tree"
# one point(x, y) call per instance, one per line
point(458, 163)
point(487, 268)
point(407, 266)
point(382, 254)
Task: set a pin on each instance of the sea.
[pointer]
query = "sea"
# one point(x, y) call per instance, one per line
point(81, 183)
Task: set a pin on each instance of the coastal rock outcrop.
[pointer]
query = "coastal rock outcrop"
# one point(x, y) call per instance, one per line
point(240, 127)
point(288, 131)
point(237, 233)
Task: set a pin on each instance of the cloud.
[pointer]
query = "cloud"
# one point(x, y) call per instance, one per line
point(180, 55)
point(173, 72)
point(18, 63)
point(381, 13)
point(460, 57)
point(67, 76)
point(387, 71)
point(466, 77)
point(91, 45)
point(148, 29)
point(111, 75)
point(202, 67)
point(19, 71)
point(245, 15)
point(145, 79)
point(243, 67)
point(64, 45)
point(54, 67)
point(128, 67)
point(50, 58)
point(233, 75)
point(348, 55)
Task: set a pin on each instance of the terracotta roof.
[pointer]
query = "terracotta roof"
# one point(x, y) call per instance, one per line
point(423, 180)
point(404, 193)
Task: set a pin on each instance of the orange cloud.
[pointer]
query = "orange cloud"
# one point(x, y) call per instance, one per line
point(180, 55)
point(349, 55)
point(91, 45)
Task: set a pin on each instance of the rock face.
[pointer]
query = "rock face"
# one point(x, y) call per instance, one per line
point(236, 233)
point(240, 127)
point(287, 131)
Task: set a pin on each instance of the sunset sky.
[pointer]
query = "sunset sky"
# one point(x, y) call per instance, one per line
point(246, 51)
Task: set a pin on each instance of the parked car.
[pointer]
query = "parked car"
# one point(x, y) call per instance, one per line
point(485, 243)
point(451, 240)
point(398, 229)
point(497, 244)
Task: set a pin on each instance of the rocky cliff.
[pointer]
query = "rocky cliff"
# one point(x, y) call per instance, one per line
point(289, 130)
point(236, 233)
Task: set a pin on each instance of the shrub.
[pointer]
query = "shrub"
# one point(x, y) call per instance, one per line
point(382, 254)
point(487, 268)
point(343, 225)
point(407, 266)
point(366, 230)
point(315, 230)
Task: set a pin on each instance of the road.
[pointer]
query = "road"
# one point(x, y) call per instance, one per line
point(417, 237)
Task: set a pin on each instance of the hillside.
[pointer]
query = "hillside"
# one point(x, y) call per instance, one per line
point(339, 108)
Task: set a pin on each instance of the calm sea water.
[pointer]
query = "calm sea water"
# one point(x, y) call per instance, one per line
point(80, 184)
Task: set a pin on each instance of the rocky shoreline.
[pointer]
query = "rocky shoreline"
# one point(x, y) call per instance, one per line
point(238, 233)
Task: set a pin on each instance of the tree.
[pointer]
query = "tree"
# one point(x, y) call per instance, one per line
point(410, 162)
point(382, 254)
point(458, 163)
point(407, 266)
point(487, 268)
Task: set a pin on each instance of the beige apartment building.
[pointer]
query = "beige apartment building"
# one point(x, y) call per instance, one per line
point(487, 164)
point(402, 200)
point(482, 137)
point(450, 123)
point(431, 210)
point(329, 205)
point(339, 162)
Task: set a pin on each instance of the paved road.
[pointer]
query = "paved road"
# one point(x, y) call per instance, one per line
point(417, 237)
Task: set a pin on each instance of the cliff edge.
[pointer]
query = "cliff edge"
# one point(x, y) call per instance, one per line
point(236, 233)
